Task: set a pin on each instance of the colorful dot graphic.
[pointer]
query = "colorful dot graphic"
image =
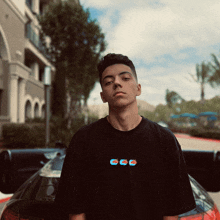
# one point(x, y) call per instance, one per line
point(123, 162)
point(114, 161)
point(132, 162)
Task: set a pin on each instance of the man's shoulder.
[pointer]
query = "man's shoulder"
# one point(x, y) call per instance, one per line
point(154, 126)
point(160, 131)
point(88, 131)
point(95, 125)
point(93, 128)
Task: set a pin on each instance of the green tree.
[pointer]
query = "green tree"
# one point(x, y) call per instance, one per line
point(190, 107)
point(163, 113)
point(172, 98)
point(76, 44)
point(202, 77)
point(215, 67)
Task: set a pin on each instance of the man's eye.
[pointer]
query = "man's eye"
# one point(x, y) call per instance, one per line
point(126, 78)
point(108, 83)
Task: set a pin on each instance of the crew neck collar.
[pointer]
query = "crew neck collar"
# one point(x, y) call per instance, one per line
point(125, 132)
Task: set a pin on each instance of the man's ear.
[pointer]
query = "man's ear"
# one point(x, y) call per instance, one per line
point(103, 97)
point(138, 89)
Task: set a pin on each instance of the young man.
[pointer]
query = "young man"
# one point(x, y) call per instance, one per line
point(123, 167)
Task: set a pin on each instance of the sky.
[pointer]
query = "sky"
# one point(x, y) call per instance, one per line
point(164, 39)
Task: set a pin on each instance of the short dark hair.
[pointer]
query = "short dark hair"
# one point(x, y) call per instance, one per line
point(111, 59)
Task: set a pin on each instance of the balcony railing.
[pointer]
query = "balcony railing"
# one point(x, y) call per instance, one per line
point(29, 4)
point(34, 38)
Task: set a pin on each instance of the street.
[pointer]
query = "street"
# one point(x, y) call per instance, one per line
point(187, 142)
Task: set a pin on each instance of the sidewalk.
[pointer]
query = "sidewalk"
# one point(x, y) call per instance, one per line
point(196, 143)
point(181, 135)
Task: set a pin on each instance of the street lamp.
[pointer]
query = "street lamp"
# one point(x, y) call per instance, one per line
point(47, 84)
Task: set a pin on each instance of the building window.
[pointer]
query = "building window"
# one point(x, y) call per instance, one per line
point(42, 7)
point(41, 75)
point(32, 35)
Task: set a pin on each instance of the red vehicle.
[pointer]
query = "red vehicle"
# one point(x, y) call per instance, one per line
point(34, 200)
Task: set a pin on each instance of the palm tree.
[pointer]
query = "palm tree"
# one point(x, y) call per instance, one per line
point(172, 98)
point(215, 66)
point(202, 77)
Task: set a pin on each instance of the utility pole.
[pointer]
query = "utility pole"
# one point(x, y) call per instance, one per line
point(47, 84)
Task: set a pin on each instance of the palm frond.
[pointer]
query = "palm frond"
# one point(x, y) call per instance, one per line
point(215, 60)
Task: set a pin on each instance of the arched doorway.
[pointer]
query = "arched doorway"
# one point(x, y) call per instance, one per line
point(43, 111)
point(36, 110)
point(28, 113)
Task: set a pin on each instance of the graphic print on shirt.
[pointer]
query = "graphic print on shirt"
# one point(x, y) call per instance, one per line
point(114, 162)
point(132, 162)
point(123, 162)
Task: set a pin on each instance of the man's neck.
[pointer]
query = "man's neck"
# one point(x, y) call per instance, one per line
point(124, 119)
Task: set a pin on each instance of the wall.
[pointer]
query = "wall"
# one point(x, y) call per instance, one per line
point(20, 4)
point(35, 90)
point(12, 24)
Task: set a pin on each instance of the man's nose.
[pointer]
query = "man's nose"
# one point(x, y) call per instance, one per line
point(117, 83)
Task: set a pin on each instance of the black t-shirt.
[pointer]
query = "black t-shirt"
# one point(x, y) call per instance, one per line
point(124, 175)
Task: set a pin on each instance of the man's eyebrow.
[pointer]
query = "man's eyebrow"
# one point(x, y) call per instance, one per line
point(125, 73)
point(110, 76)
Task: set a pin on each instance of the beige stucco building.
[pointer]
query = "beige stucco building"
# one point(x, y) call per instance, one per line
point(22, 61)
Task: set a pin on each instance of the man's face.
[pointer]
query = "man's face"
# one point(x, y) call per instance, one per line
point(119, 86)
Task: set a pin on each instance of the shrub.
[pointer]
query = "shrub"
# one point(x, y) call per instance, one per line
point(178, 129)
point(23, 135)
point(32, 134)
point(60, 132)
point(205, 133)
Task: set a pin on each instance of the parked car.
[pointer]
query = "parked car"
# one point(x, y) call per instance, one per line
point(17, 165)
point(204, 166)
point(34, 200)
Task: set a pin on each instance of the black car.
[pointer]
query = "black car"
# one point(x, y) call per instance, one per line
point(34, 200)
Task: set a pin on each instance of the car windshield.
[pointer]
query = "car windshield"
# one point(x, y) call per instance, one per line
point(203, 201)
point(201, 196)
point(43, 185)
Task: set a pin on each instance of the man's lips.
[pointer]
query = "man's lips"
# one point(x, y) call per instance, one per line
point(118, 93)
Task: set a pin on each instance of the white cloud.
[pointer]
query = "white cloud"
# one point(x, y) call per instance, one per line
point(150, 32)
point(116, 4)
point(156, 32)
point(175, 78)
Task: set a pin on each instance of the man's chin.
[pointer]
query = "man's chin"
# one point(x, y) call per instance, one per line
point(120, 104)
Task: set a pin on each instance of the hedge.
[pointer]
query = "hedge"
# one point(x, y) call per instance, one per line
point(23, 135)
point(32, 134)
point(205, 133)
point(198, 131)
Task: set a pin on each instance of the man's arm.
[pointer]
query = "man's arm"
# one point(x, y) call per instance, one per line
point(170, 217)
point(70, 194)
point(77, 217)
